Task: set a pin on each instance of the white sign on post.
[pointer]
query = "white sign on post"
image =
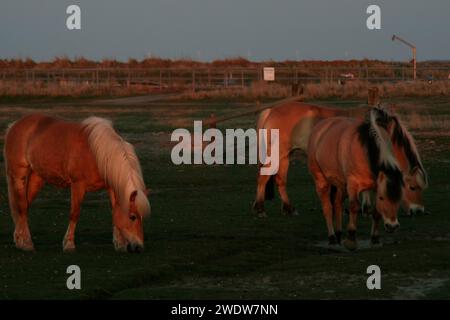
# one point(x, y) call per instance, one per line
point(269, 74)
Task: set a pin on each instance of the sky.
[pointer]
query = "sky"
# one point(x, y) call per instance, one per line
point(213, 29)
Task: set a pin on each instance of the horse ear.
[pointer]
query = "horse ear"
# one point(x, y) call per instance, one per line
point(133, 196)
point(413, 171)
point(420, 176)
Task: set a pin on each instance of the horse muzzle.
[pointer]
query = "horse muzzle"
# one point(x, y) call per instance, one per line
point(391, 227)
point(416, 210)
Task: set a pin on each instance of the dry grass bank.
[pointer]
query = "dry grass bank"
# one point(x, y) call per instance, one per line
point(68, 89)
point(257, 90)
point(326, 90)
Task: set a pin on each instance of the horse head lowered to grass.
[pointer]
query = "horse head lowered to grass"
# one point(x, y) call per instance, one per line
point(354, 158)
point(295, 122)
point(85, 157)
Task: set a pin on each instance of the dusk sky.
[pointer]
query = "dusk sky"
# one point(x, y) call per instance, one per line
point(213, 29)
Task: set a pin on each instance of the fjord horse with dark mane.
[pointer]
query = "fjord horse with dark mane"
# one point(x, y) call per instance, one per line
point(295, 121)
point(84, 157)
point(353, 158)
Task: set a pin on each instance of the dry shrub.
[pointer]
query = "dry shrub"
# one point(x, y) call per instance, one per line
point(417, 121)
point(359, 89)
point(256, 90)
point(328, 90)
point(69, 89)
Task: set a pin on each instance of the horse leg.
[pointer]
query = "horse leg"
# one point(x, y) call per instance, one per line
point(258, 205)
point(323, 190)
point(17, 180)
point(375, 233)
point(35, 183)
point(338, 209)
point(281, 181)
point(350, 243)
point(77, 194)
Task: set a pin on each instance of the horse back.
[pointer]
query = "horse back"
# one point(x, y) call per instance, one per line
point(334, 148)
point(57, 150)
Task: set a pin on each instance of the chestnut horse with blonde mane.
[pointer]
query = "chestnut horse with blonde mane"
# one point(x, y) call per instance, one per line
point(354, 158)
point(85, 157)
point(295, 121)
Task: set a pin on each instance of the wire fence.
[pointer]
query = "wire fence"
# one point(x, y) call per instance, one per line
point(210, 78)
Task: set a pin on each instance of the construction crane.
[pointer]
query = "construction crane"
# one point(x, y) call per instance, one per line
point(413, 48)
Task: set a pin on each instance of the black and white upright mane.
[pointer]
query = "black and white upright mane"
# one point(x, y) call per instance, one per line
point(379, 152)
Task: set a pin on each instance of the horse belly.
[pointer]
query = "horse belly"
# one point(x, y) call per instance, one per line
point(301, 133)
point(49, 168)
point(334, 177)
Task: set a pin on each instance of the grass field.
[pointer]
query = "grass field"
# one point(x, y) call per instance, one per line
point(202, 240)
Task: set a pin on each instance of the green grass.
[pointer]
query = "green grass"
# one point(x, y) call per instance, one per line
point(202, 240)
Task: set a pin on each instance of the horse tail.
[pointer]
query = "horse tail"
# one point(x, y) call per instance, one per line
point(262, 117)
point(117, 163)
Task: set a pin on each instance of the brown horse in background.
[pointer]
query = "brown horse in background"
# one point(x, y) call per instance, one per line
point(85, 157)
point(295, 121)
point(354, 158)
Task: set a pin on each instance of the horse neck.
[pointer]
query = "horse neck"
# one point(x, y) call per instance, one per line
point(116, 159)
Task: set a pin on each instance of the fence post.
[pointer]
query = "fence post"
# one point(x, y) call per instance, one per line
point(209, 78)
point(373, 97)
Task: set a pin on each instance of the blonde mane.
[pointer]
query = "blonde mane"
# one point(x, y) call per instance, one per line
point(117, 163)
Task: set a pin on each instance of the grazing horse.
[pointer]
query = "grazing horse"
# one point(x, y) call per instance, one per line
point(85, 157)
point(354, 158)
point(295, 121)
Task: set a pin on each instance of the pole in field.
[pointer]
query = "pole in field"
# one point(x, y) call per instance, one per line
point(413, 49)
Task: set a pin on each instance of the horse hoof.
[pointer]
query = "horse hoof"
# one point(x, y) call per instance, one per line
point(338, 235)
point(288, 210)
point(261, 215)
point(332, 241)
point(69, 249)
point(120, 248)
point(68, 245)
point(26, 248)
point(375, 239)
point(375, 242)
point(25, 245)
point(350, 245)
point(294, 213)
